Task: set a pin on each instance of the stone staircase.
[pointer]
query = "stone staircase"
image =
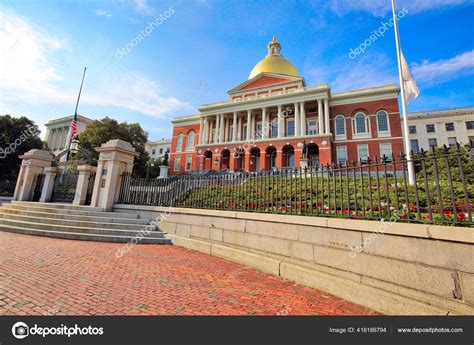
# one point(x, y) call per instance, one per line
point(76, 223)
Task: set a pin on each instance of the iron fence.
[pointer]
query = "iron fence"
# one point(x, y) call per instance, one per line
point(373, 189)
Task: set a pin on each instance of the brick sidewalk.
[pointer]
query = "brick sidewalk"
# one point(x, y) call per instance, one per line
point(60, 277)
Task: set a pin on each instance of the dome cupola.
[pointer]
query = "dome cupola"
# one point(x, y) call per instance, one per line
point(274, 62)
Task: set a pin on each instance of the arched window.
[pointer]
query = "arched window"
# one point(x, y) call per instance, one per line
point(382, 121)
point(340, 125)
point(190, 141)
point(360, 123)
point(179, 142)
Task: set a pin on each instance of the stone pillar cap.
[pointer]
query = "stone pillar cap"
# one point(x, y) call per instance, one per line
point(36, 153)
point(119, 145)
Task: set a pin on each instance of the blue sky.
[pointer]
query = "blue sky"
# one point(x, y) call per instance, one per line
point(203, 48)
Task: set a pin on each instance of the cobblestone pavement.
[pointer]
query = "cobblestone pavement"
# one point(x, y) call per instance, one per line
point(45, 276)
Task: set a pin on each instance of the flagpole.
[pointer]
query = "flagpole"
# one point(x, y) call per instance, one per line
point(75, 115)
point(406, 134)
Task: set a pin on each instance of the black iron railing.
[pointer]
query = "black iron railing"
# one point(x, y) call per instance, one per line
point(375, 189)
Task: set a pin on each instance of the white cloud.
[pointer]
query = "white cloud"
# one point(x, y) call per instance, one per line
point(380, 8)
point(442, 70)
point(30, 78)
point(103, 13)
point(142, 7)
point(135, 92)
point(345, 74)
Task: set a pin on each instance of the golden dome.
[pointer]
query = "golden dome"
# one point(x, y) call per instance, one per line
point(274, 62)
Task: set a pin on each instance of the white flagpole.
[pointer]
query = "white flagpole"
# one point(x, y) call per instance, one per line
point(406, 134)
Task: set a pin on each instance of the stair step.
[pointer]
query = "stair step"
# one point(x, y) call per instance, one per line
point(77, 212)
point(65, 206)
point(76, 229)
point(11, 211)
point(84, 236)
point(92, 223)
point(78, 223)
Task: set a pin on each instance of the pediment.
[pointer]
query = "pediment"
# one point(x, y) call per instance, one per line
point(265, 80)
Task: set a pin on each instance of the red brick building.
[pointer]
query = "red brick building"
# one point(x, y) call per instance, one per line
point(266, 119)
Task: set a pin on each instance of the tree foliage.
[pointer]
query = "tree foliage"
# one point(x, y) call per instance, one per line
point(100, 131)
point(17, 136)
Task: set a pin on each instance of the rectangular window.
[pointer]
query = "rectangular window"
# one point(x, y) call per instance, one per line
point(363, 152)
point(161, 151)
point(386, 149)
point(274, 132)
point(412, 129)
point(244, 132)
point(177, 163)
point(430, 128)
point(415, 147)
point(471, 140)
point(153, 152)
point(469, 124)
point(312, 127)
point(259, 134)
point(290, 128)
point(452, 141)
point(341, 153)
point(433, 142)
point(189, 160)
point(449, 126)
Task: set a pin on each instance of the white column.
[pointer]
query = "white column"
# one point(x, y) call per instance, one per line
point(252, 129)
point(280, 122)
point(320, 117)
point(226, 129)
point(234, 127)
point(249, 120)
point(297, 120)
point(206, 130)
point(326, 116)
point(239, 128)
point(221, 134)
point(216, 130)
point(303, 118)
point(201, 130)
point(264, 124)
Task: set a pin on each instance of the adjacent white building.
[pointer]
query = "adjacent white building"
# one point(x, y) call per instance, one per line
point(58, 132)
point(157, 149)
point(441, 127)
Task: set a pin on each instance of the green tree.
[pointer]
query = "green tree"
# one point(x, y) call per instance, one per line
point(17, 136)
point(100, 131)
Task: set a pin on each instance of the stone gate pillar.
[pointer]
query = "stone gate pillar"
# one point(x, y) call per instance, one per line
point(116, 157)
point(50, 175)
point(85, 172)
point(33, 164)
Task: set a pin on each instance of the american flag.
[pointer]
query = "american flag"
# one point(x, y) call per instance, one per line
point(74, 127)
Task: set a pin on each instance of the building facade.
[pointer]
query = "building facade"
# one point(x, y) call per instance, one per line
point(269, 117)
point(442, 127)
point(157, 149)
point(58, 132)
